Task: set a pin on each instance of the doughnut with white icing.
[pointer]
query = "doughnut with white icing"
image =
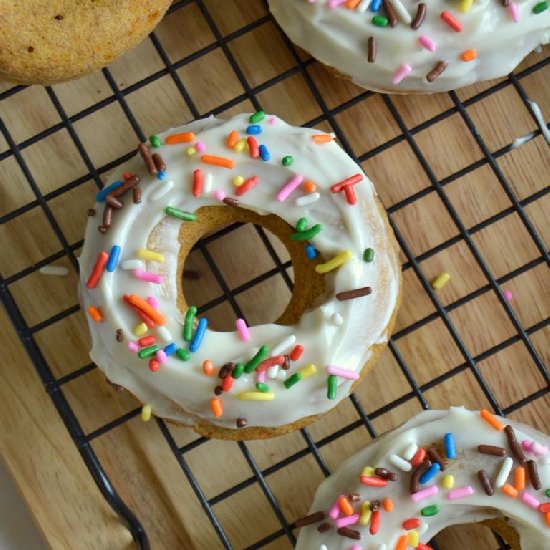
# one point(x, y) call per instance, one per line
point(423, 46)
point(516, 465)
point(324, 352)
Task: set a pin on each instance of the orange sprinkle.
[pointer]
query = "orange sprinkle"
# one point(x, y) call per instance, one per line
point(208, 368)
point(387, 504)
point(345, 506)
point(232, 139)
point(508, 490)
point(184, 137)
point(150, 311)
point(95, 314)
point(468, 55)
point(402, 542)
point(217, 161)
point(547, 517)
point(491, 419)
point(352, 4)
point(309, 186)
point(520, 478)
point(321, 138)
point(217, 407)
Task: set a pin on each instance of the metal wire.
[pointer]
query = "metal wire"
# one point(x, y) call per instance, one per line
point(54, 386)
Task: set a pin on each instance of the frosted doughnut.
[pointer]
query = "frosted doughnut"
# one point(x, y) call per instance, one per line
point(514, 458)
point(423, 46)
point(324, 353)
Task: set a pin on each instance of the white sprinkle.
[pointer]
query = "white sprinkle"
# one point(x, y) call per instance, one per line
point(132, 264)
point(323, 547)
point(410, 451)
point(337, 319)
point(402, 12)
point(307, 199)
point(164, 189)
point(58, 270)
point(281, 375)
point(164, 334)
point(535, 109)
point(362, 8)
point(283, 345)
point(422, 528)
point(400, 463)
point(208, 179)
point(272, 372)
point(504, 472)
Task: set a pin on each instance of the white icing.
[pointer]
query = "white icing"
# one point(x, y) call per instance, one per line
point(425, 429)
point(180, 384)
point(338, 37)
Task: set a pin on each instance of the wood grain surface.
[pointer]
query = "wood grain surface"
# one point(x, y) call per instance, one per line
point(494, 190)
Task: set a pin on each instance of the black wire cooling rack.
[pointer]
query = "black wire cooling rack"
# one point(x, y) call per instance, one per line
point(54, 386)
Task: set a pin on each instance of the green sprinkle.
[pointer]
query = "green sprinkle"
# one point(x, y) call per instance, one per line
point(301, 224)
point(291, 380)
point(180, 214)
point(307, 235)
point(257, 359)
point(260, 386)
point(154, 141)
point(380, 21)
point(258, 116)
point(148, 352)
point(547, 493)
point(288, 160)
point(188, 324)
point(431, 510)
point(182, 354)
point(540, 7)
point(368, 255)
point(332, 385)
point(238, 371)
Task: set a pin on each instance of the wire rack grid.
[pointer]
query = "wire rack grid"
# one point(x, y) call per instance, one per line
point(329, 115)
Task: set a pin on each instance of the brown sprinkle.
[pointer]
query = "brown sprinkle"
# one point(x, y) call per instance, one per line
point(350, 533)
point(136, 195)
point(218, 390)
point(436, 457)
point(230, 201)
point(415, 477)
point(91, 211)
point(112, 202)
point(241, 422)
point(515, 447)
point(324, 527)
point(355, 293)
point(438, 68)
point(308, 520)
point(121, 189)
point(419, 17)
point(485, 482)
point(107, 216)
point(385, 474)
point(226, 370)
point(533, 470)
point(286, 363)
point(119, 335)
point(390, 12)
point(159, 162)
point(491, 450)
point(505, 3)
point(371, 56)
point(147, 158)
point(374, 505)
point(102, 229)
point(354, 497)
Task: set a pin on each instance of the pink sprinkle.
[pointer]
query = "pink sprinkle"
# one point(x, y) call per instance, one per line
point(401, 72)
point(133, 347)
point(355, 547)
point(527, 445)
point(508, 295)
point(152, 301)
point(342, 373)
point(242, 329)
point(347, 520)
point(461, 492)
point(530, 500)
point(289, 187)
point(272, 120)
point(335, 3)
point(148, 277)
point(200, 147)
point(334, 511)
point(161, 356)
point(261, 376)
point(424, 493)
point(513, 8)
point(539, 449)
point(427, 43)
point(219, 195)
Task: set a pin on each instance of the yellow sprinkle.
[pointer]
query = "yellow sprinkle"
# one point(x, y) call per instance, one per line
point(238, 181)
point(335, 262)
point(440, 281)
point(364, 518)
point(140, 329)
point(190, 151)
point(465, 5)
point(146, 413)
point(448, 481)
point(145, 254)
point(367, 471)
point(256, 396)
point(413, 538)
point(308, 370)
point(240, 145)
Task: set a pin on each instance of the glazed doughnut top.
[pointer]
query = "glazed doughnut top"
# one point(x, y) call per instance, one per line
point(430, 470)
point(129, 274)
point(405, 45)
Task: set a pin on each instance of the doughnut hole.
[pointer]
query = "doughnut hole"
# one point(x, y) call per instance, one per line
point(479, 535)
point(241, 258)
